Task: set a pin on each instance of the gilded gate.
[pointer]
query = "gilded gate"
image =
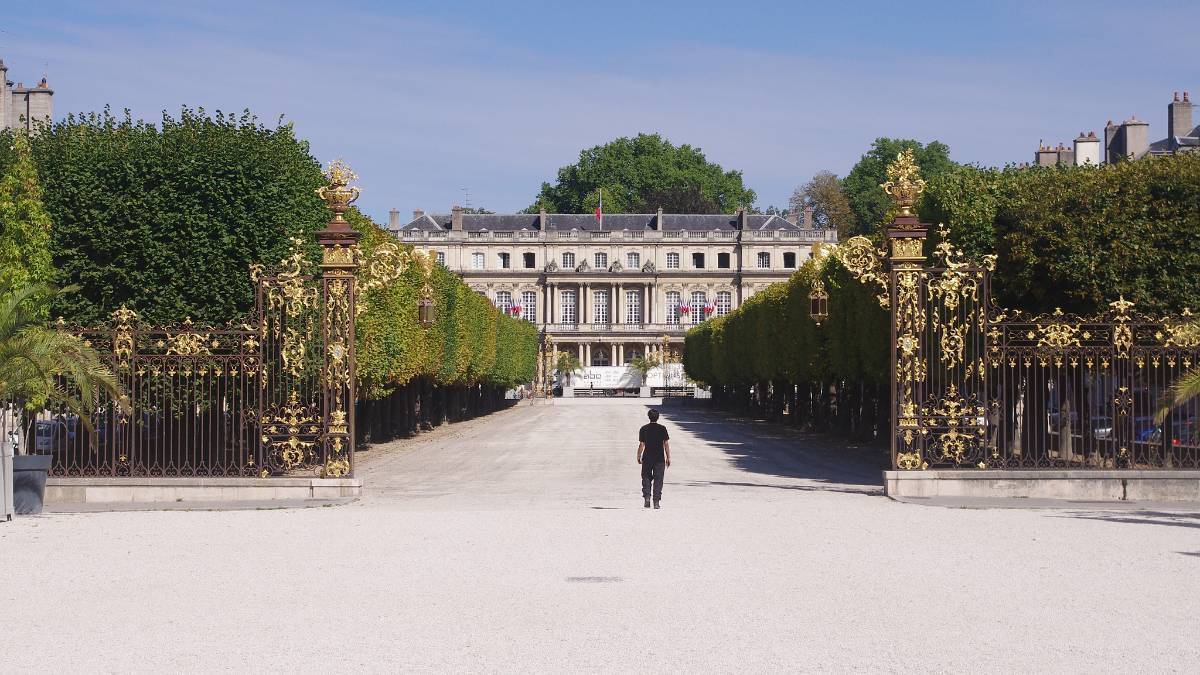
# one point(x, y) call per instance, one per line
point(269, 395)
point(974, 385)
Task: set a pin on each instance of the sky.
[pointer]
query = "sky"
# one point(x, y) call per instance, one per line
point(438, 103)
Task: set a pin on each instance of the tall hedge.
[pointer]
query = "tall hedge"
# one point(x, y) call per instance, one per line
point(167, 218)
point(1079, 237)
point(470, 342)
point(772, 336)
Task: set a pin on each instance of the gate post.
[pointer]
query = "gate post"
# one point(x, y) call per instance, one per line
point(906, 251)
point(339, 262)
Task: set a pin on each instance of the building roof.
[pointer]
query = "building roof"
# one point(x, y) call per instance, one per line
point(587, 222)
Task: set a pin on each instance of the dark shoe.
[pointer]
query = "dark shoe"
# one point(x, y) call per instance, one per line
point(657, 506)
point(647, 503)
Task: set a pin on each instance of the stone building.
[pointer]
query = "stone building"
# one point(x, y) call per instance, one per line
point(1128, 140)
point(21, 106)
point(610, 290)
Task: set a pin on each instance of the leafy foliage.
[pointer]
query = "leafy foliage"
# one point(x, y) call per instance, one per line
point(773, 337)
point(871, 205)
point(642, 174)
point(470, 342)
point(1079, 237)
point(167, 219)
point(24, 225)
point(830, 207)
point(35, 360)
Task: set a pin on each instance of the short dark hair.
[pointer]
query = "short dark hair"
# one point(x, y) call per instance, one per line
point(653, 415)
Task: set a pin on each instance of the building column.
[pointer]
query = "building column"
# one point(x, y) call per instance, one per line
point(547, 291)
point(583, 304)
point(617, 318)
point(621, 354)
point(580, 345)
point(587, 354)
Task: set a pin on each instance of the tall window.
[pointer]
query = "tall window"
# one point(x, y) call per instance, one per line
point(633, 307)
point(724, 302)
point(723, 261)
point(600, 307)
point(569, 315)
point(505, 260)
point(633, 260)
point(672, 261)
point(789, 260)
point(764, 260)
point(529, 306)
point(441, 258)
point(530, 260)
point(477, 261)
point(504, 301)
point(568, 261)
point(698, 261)
point(673, 307)
point(601, 261)
point(696, 308)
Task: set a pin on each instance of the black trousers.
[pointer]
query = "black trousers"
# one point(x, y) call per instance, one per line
point(653, 474)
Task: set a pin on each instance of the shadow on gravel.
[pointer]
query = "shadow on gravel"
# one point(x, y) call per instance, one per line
point(1168, 518)
point(768, 449)
point(848, 489)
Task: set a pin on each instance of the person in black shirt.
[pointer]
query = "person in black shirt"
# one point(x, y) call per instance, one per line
point(654, 454)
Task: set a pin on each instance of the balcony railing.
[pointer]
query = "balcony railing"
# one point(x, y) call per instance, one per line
point(651, 328)
point(807, 235)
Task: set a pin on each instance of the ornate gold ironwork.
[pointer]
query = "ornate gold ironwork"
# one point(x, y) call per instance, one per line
point(295, 420)
point(904, 183)
point(123, 344)
point(908, 249)
point(189, 342)
point(818, 301)
point(1184, 334)
point(339, 194)
point(1058, 334)
point(860, 257)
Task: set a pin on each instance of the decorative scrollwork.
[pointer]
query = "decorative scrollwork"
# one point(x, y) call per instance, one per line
point(123, 344)
point(860, 257)
point(293, 421)
point(189, 342)
point(1058, 334)
point(1183, 334)
point(961, 418)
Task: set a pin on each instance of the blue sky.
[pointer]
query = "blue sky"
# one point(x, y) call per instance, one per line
point(427, 98)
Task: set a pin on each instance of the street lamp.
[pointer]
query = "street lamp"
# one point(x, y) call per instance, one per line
point(818, 302)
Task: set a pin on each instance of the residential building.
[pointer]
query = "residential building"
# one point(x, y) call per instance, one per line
point(1128, 140)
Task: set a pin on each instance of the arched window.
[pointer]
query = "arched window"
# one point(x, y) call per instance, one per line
point(696, 307)
point(673, 307)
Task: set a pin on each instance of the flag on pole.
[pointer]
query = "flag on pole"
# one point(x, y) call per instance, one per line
point(600, 209)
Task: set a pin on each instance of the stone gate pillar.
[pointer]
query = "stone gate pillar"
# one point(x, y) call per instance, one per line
point(339, 262)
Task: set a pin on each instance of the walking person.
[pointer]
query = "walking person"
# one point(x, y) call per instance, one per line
point(654, 454)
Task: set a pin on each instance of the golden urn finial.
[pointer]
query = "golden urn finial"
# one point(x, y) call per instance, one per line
point(904, 182)
point(339, 194)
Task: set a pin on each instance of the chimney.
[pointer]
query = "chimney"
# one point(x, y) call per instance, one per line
point(741, 219)
point(543, 222)
point(1137, 137)
point(1179, 116)
point(1087, 149)
point(393, 220)
point(658, 222)
point(793, 217)
point(418, 213)
point(808, 216)
point(456, 218)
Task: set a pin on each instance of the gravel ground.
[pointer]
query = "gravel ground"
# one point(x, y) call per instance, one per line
point(518, 543)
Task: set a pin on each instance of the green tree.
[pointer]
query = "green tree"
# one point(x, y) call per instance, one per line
point(166, 219)
point(24, 224)
point(830, 207)
point(642, 174)
point(871, 205)
point(567, 365)
point(36, 360)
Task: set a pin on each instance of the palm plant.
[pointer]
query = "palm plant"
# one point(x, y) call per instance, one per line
point(1186, 388)
point(40, 365)
point(568, 364)
point(644, 364)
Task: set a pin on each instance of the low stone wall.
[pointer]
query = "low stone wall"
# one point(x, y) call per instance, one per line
point(152, 489)
point(1068, 485)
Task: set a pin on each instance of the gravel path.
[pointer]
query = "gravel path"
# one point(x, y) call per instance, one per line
point(518, 543)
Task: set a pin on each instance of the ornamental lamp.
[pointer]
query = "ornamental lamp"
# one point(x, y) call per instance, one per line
point(426, 312)
point(818, 302)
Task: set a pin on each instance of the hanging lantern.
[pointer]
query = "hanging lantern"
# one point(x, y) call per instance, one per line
point(426, 313)
point(818, 302)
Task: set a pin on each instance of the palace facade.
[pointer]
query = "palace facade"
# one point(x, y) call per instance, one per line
point(610, 290)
